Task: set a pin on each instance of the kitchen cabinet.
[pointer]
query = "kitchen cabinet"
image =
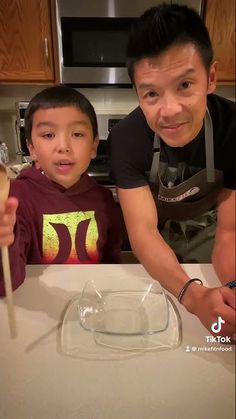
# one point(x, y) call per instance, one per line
point(26, 47)
point(220, 21)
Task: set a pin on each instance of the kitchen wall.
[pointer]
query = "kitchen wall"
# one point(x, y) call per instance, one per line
point(104, 100)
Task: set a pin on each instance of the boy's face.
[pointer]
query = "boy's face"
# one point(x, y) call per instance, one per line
point(62, 143)
point(172, 90)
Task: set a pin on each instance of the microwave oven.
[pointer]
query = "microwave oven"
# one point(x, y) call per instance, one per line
point(92, 37)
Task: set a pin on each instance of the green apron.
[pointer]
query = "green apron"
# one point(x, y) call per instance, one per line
point(187, 212)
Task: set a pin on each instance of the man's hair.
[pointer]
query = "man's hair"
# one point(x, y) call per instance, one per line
point(58, 97)
point(164, 26)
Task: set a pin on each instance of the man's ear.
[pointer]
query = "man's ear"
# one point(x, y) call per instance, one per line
point(212, 77)
point(95, 147)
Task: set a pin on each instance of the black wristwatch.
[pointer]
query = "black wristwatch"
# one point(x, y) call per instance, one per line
point(231, 284)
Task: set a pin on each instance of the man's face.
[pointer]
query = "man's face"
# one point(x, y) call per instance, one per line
point(172, 90)
point(62, 143)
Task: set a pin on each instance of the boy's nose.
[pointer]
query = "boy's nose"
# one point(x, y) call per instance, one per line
point(64, 150)
point(63, 145)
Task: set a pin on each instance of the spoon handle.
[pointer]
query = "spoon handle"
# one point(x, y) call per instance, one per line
point(8, 290)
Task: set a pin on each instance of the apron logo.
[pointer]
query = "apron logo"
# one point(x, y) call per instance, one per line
point(181, 197)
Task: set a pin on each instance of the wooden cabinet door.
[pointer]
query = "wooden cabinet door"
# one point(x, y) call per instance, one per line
point(25, 41)
point(220, 21)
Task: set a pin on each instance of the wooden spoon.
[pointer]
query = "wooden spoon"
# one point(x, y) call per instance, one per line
point(4, 191)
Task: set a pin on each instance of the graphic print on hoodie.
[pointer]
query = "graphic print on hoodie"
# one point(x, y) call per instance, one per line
point(72, 228)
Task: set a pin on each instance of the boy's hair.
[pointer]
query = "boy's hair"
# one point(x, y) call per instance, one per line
point(163, 26)
point(58, 97)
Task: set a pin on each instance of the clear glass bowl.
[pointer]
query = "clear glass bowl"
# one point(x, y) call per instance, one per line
point(113, 316)
point(125, 307)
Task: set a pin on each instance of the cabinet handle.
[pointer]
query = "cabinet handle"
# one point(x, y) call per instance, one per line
point(46, 49)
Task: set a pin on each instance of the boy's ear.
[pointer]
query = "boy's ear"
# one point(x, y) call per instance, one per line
point(31, 150)
point(95, 147)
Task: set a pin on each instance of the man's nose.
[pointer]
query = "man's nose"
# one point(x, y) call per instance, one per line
point(169, 105)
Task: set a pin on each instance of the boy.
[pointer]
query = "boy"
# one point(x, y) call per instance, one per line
point(56, 213)
point(186, 175)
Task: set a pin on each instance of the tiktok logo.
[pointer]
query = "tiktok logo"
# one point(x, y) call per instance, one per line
point(216, 326)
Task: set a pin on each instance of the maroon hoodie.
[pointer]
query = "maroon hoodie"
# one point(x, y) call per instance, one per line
point(58, 225)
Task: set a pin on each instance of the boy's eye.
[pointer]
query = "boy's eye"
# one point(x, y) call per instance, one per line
point(48, 135)
point(77, 134)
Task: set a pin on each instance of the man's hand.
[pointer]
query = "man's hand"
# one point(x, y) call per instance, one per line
point(210, 303)
point(7, 221)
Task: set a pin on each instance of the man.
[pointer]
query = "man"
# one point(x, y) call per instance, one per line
point(185, 174)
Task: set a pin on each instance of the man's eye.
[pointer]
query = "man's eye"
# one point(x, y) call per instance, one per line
point(152, 94)
point(185, 85)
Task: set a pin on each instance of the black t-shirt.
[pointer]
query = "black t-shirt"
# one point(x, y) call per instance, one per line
point(131, 149)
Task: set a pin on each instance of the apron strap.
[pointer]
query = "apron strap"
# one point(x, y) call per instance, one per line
point(209, 150)
point(153, 176)
point(209, 147)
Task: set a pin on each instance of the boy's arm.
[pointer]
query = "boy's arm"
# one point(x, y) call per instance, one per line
point(112, 248)
point(223, 256)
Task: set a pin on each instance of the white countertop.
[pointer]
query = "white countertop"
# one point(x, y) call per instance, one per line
point(38, 381)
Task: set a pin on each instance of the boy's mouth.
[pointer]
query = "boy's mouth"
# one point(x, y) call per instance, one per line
point(64, 166)
point(64, 163)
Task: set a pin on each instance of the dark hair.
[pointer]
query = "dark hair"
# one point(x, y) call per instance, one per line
point(58, 97)
point(164, 26)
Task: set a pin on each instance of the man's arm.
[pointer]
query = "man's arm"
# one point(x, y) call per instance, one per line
point(159, 260)
point(223, 256)
point(157, 257)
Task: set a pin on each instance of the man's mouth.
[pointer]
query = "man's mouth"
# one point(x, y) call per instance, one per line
point(173, 126)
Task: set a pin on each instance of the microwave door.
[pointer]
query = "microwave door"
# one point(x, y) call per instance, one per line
point(94, 50)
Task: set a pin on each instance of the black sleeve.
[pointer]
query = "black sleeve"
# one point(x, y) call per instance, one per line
point(130, 147)
point(228, 153)
point(223, 113)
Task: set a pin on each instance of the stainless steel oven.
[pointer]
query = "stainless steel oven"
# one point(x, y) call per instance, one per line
point(92, 38)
